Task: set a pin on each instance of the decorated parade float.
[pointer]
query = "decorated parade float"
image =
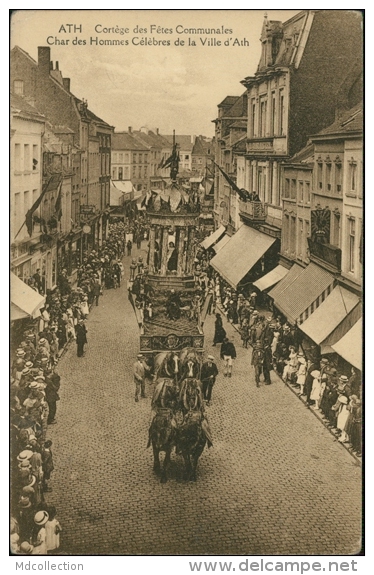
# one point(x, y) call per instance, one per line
point(169, 307)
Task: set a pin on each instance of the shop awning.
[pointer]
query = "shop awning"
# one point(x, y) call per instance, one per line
point(271, 278)
point(350, 346)
point(240, 254)
point(222, 242)
point(300, 290)
point(338, 304)
point(214, 237)
point(25, 302)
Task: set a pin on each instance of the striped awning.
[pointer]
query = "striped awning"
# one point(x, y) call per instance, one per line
point(329, 314)
point(213, 238)
point(240, 254)
point(302, 292)
point(271, 278)
point(350, 346)
point(25, 302)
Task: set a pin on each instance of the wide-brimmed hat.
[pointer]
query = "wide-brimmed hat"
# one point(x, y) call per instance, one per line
point(315, 373)
point(24, 455)
point(24, 502)
point(211, 358)
point(20, 352)
point(140, 356)
point(41, 517)
point(33, 385)
point(25, 464)
point(343, 378)
point(25, 371)
point(42, 340)
point(29, 364)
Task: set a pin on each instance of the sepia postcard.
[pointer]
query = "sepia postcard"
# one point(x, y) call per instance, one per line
point(186, 273)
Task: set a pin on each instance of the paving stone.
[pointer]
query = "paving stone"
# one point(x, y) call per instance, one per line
point(275, 482)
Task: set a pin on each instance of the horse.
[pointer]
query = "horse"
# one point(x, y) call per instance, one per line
point(191, 440)
point(162, 437)
point(166, 364)
point(190, 396)
point(162, 431)
point(190, 364)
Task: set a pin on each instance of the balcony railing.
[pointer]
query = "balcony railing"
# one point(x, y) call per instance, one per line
point(253, 210)
point(327, 253)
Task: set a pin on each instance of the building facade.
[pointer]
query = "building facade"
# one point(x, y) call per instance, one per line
point(288, 97)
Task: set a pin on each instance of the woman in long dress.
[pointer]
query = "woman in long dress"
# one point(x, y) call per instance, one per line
point(219, 331)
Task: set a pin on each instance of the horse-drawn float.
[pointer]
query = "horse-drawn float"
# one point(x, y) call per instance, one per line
point(170, 311)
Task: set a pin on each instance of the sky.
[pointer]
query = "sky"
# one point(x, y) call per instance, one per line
point(139, 84)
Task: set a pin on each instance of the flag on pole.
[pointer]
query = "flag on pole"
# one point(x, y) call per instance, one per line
point(50, 185)
point(58, 204)
point(241, 193)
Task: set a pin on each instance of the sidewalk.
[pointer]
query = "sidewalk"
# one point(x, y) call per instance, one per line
point(302, 398)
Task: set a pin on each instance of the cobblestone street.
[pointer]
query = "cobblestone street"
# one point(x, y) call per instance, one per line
point(275, 481)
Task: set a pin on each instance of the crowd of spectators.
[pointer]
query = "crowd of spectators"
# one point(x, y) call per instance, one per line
point(277, 346)
point(34, 392)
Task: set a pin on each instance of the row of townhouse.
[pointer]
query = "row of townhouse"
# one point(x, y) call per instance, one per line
point(60, 171)
point(139, 155)
point(292, 187)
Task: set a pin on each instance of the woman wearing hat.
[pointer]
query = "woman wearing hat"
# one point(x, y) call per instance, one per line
point(40, 539)
point(342, 413)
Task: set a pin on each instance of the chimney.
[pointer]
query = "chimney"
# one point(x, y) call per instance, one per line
point(157, 131)
point(56, 65)
point(44, 59)
point(66, 83)
point(130, 130)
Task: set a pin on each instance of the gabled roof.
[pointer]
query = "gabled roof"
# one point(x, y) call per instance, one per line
point(199, 148)
point(239, 108)
point(126, 141)
point(150, 139)
point(90, 115)
point(228, 101)
point(350, 122)
point(184, 142)
point(302, 155)
point(19, 104)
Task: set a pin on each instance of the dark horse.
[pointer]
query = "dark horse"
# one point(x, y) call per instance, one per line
point(191, 440)
point(162, 432)
point(194, 432)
